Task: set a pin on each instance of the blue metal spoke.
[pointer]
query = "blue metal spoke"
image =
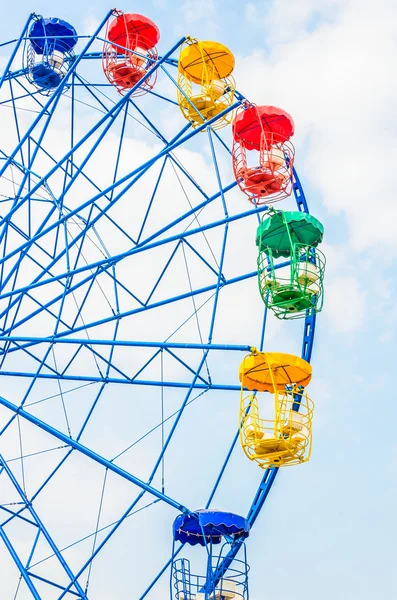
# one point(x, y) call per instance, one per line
point(104, 379)
point(125, 343)
point(92, 455)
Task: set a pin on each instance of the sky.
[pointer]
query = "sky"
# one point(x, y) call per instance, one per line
point(328, 527)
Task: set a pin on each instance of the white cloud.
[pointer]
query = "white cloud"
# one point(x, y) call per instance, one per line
point(90, 23)
point(345, 304)
point(195, 11)
point(339, 83)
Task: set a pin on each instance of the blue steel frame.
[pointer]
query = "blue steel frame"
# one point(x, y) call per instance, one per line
point(77, 276)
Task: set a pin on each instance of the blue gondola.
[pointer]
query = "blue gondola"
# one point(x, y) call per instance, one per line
point(225, 578)
point(48, 52)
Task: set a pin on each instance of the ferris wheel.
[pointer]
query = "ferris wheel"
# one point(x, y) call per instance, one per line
point(142, 257)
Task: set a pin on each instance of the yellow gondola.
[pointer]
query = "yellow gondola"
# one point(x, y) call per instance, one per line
point(205, 85)
point(284, 436)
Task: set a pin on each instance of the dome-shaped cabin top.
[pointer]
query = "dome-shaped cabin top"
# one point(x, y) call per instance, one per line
point(283, 228)
point(52, 34)
point(209, 525)
point(249, 126)
point(270, 371)
point(206, 61)
point(133, 31)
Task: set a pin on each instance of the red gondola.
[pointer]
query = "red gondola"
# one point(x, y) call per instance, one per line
point(265, 130)
point(130, 51)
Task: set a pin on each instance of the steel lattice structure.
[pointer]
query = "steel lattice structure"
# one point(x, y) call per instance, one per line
point(116, 257)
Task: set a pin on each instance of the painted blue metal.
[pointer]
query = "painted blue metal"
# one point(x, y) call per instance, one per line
point(43, 531)
point(119, 380)
point(19, 564)
point(132, 343)
point(61, 272)
point(299, 193)
point(143, 247)
point(93, 455)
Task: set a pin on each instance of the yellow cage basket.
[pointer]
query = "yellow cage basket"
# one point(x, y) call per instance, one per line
point(205, 85)
point(284, 437)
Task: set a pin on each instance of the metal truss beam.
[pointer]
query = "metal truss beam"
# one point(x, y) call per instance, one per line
point(91, 454)
point(120, 381)
point(134, 343)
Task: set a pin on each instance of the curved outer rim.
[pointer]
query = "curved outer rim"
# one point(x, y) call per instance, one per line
point(270, 474)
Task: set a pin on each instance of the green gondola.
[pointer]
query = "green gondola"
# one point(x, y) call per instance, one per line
point(290, 287)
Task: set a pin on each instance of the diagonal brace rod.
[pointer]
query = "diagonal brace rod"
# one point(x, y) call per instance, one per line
point(91, 454)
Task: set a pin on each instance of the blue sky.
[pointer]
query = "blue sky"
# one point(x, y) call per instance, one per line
point(328, 528)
